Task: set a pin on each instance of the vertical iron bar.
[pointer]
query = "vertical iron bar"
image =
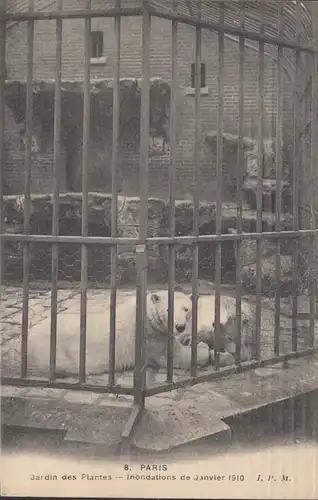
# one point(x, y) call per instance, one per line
point(289, 416)
point(115, 164)
point(219, 171)
point(56, 189)
point(240, 175)
point(84, 228)
point(279, 167)
point(27, 193)
point(172, 193)
point(313, 177)
point(141, 253)
point(196, 192)
point(2, 120)
point(296, 166)
point(302, 414)
point(260, 173)
point(312, 418)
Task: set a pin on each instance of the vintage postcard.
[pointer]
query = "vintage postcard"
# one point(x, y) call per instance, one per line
point(159, 248)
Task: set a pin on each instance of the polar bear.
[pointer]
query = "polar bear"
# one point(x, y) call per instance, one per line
point(206, 328)
point(247, 328)
point(97, 339)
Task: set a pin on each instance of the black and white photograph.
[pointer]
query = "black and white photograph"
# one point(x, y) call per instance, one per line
point(159, 248)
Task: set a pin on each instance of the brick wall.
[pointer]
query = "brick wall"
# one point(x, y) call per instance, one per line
point(41, 172)
point(73, 57)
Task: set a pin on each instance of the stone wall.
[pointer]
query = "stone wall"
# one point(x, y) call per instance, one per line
point(99, 222)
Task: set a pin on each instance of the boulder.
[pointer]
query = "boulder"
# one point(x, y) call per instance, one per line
point(269, 177)
point(248, 249)
point(268, 274)
point(99, 224)
point(268, 260)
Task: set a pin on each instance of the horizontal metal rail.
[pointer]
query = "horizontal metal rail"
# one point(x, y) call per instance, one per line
point(137, 11)
point(160, 240)
point(231, 30)
point(71, 14)
point(163, 387)
point(74, 386)
point(230, 370)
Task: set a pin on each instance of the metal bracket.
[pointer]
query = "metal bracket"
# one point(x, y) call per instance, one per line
point(131, 424)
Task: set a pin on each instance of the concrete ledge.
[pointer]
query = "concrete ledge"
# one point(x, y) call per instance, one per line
point(177, 424)
point(200, 411)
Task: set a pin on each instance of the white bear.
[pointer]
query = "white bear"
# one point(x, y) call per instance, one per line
point(97, 339)
point(206, 328)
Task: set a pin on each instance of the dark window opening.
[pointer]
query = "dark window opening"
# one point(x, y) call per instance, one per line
point(203, 75)
point(97, 40)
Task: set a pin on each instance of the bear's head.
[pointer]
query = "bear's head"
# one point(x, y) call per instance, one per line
point(157, 311)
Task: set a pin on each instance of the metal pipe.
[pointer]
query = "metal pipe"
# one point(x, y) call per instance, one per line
point(260, 173)
point(27, 194)
point(240, 175)
point(219, 182)
point(56, 190)
point(172, 193)
point(114, 210)
point(196, 191)
point(84, 225)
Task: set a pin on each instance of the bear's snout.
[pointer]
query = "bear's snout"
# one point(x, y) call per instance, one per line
point(180, 328)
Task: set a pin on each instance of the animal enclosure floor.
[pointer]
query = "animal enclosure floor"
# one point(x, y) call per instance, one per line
point(172, 416)
point(98, 300)
point(171, 419)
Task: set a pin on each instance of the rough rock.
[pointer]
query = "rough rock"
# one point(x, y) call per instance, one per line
point(99, 224)
point(268, 174)
point(248, 249)
point(128, 227)
point(269, 283)
point(251, 156)
point(207, 224)
point(231, 140)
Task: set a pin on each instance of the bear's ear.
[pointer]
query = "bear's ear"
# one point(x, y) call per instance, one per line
point(155, 298)
point(190, 296)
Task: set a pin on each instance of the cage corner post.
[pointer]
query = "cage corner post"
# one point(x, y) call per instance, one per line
point(313, 199)
point(2, 119)
point(27, 191)
point(141, 249)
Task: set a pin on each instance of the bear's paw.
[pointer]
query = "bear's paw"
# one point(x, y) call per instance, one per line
point(203, 354)
point(226, 359)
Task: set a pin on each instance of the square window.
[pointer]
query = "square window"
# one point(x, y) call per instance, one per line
point(203, 75)
point(97, 41)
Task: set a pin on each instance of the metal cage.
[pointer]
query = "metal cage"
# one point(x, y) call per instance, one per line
point(283, 29)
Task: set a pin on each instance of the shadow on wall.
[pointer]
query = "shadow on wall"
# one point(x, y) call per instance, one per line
point(101, 124)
